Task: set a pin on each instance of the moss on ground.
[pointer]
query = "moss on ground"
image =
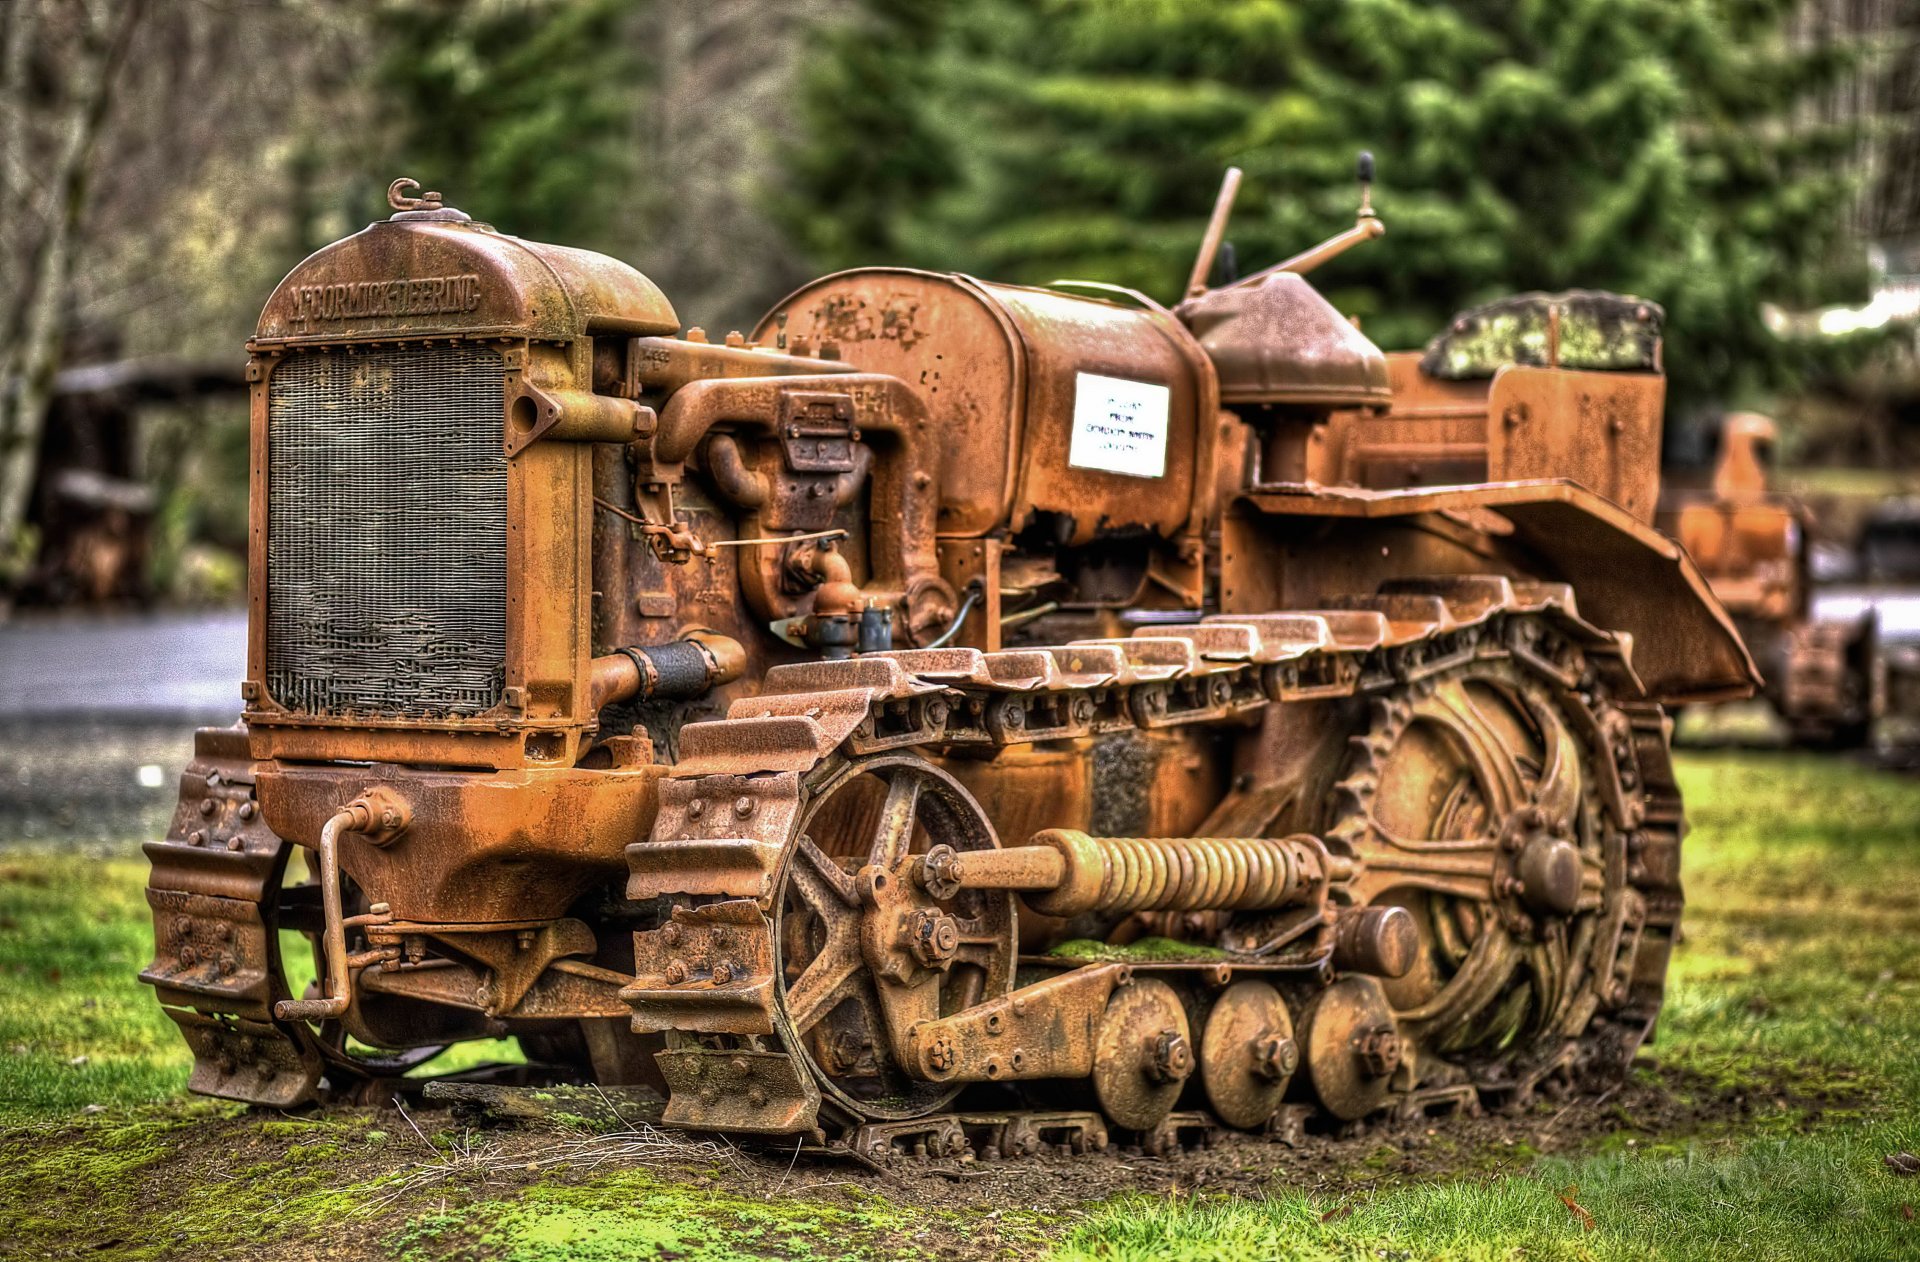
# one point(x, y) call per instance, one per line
point(1797, 981)
point(1796, 986)
point(194, 1178)
point(635, 1216)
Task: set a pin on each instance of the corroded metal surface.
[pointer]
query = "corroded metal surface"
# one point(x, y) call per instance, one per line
point(945, 710)
point(1142, 1054)
point(1248, 1054)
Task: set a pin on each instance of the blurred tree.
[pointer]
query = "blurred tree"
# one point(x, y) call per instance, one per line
point(1649, 146)
point(640, 128)
point(531, 101)
point(59, 68)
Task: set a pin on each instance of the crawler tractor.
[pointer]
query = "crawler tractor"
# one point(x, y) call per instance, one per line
point(956, 717)
point(1825, 677)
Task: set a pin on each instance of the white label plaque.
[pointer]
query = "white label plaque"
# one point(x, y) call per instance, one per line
point(1119, 426)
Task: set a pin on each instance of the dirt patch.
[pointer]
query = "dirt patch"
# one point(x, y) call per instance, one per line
point(378, 1183)
point(1655, 1105)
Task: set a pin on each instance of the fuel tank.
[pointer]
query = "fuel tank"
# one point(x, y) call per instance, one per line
point(1074, 412)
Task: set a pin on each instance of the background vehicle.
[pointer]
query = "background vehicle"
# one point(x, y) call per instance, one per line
point(1821, 658)
point(1879, 584)
point(957, 715)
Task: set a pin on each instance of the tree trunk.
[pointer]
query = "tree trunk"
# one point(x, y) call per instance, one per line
point(31, 355)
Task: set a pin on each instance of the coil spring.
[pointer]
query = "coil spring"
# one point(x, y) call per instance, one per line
point(1127, 874)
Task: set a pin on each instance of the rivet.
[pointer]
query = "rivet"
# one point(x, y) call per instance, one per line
point(236, 842)
point(248, 810)
point(196, 838)
point(696, 808)
point(206, 806)
point(740, 1065)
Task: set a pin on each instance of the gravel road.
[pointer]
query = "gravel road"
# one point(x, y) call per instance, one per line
point(97, 719)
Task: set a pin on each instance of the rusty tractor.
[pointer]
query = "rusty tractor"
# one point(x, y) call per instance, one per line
point(1825, 675)
point(954, 718)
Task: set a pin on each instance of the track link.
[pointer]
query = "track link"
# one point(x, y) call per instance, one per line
point(730, 806)
point(215, 891)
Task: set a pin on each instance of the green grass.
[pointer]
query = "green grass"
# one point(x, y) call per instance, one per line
point(1798, 976)
point(1797, 985)
point(76, 1026)
point(634, 1215)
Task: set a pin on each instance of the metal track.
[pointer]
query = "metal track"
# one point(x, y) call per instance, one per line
point(732, 803)
point(215, 891)
point(733, 800)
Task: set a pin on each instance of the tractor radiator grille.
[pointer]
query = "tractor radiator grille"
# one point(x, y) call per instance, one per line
point(387, 532)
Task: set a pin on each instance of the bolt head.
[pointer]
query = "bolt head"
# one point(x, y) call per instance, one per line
point(940, 1057)
point(932, 937)
point(743, 806)
point(1275, 1056)
point(1170, 1059)
point(1380, 1051)
point(670, 934)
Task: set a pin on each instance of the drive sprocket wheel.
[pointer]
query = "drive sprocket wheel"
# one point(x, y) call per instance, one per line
point(846, 901)
point(1473, 799)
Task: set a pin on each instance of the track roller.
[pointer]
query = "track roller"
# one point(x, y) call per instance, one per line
point(1352, 1047)
point(1247, 1054)
point(1142, 1054)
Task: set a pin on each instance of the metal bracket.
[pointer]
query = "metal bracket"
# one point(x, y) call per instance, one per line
point(817, 433)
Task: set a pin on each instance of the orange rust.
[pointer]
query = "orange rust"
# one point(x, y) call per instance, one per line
point(816, 653)
point(1825, 679)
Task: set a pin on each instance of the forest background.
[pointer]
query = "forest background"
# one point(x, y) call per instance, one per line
point(1751, 165)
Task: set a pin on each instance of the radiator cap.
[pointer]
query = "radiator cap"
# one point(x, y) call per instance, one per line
point(427, 206)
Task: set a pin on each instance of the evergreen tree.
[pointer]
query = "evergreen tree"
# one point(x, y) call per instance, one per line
point(530, 103)
point(1657, 147)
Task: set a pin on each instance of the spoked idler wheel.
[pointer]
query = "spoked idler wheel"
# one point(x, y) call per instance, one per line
point(1473, 802)
point(1142, 1054)
point(863, 952)
point(1247, 1054)
point(1352, 1047)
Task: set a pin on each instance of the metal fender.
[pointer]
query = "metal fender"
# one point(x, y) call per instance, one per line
point(1628, 576)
